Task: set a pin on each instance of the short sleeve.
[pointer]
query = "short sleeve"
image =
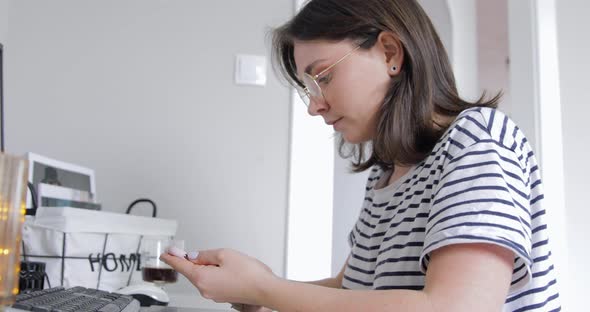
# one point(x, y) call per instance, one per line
point(482, 197)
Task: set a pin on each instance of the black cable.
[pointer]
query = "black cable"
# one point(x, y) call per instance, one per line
point(47, 278)
point(144, 200)
point(33, 210)
point(24, 253)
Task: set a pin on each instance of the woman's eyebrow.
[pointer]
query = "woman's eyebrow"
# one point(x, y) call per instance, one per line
point(309, 67)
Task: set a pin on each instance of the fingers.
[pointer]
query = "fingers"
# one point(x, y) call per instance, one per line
point(210, 257)
point(176, 251)
point(207, 257)
point(248, 308)
point(192, 255)
point(181, 265)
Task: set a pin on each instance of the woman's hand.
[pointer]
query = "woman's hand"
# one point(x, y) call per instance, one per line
point(249, 308)
point(225, 275)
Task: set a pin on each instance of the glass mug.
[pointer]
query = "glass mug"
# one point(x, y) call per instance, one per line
point(153, 269)
point(13, 191)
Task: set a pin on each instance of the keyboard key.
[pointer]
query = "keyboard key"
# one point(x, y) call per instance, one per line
point(22, 306)
point(110, 308)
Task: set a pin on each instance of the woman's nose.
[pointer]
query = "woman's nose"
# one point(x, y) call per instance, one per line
point(317, 106)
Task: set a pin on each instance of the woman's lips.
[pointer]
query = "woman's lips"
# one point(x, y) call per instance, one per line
point(335, 123)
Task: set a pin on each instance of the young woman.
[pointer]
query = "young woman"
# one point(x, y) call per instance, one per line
point(453, 216)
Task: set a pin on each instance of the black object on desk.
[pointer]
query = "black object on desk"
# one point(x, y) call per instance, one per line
point(59, 299)
point(32, 276)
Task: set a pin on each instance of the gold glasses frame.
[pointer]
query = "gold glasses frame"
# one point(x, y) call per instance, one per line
point(308, 92)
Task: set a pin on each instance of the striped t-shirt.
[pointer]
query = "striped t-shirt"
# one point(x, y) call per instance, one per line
point(481, 183)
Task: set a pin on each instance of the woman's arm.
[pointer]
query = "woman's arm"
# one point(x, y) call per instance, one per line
point(464, 277)
point(468, 277)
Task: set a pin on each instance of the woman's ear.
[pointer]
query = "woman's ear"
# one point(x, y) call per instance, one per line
point(392, 50)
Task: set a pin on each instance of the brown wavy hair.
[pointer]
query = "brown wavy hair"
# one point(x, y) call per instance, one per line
point(425, 87)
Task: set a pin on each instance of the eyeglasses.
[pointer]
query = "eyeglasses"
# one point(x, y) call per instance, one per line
point(312, 89)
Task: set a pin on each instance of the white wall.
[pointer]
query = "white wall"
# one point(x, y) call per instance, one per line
point(492, 50)
point(3, 20)
point(309, 218)
point(142, 91)
point(440, 15)
point(574, 66)
point(311, 184)
point(464, 58)
point(537, 109)
point(522, 32)
point(550, 134)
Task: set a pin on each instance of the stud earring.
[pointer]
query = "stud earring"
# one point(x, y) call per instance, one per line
point(393, 68)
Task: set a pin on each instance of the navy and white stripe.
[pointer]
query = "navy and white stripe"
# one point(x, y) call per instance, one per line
point(481, 183)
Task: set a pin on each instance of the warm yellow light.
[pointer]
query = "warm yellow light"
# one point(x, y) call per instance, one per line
point(15, 291)
point(6, 251)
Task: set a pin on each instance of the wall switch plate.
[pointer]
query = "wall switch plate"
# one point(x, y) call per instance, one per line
point(250, 70)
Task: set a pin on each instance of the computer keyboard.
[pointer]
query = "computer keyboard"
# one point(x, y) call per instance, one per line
point(59, 299)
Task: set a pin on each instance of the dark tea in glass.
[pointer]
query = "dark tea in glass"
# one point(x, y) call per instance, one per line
point(152, 268)
point(159, 275)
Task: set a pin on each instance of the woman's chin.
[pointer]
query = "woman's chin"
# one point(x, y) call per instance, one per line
point(352, 138)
